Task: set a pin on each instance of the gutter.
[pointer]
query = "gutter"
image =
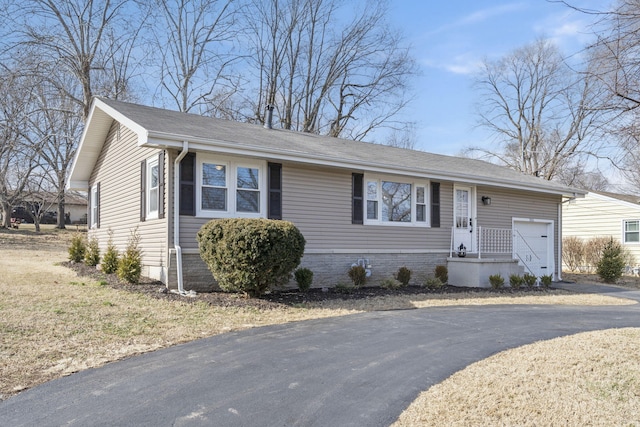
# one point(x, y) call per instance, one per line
point(176, 216)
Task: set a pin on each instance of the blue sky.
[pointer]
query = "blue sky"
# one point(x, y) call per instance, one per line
point(450, 39)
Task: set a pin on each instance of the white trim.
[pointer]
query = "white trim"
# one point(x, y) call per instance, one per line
point(624, 232)
point(93, 205)
point(150, 163)
point(231, 169)
point(378, 179)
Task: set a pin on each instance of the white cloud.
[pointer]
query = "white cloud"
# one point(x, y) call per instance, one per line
point(479, 16)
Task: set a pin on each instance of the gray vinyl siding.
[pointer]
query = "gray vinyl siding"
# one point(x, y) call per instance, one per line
point(508, 204)
point(118, 172)
point(319, 202)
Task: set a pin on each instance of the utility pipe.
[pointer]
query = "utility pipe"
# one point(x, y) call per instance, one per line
point(176, 215)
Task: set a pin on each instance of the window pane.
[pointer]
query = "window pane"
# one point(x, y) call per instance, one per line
point(372, 209)
point(420, 195)
point(153, 200)
point(633, 237)
point(214, 199)
point(632, 226)
point(396, 202)
point(421, 213)
point(248, 178)
point(248, 201)
point(372, 190)
point(154, 176)
point(215, 175)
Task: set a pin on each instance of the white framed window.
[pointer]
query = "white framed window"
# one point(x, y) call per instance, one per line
point(230, 187)
point(152, 188)
point(94, 206)
point(393, 201)
point(631, 231)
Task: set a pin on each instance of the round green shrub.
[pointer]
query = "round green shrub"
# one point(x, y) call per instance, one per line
point(403, 276)
point(391, 284)
point(110, 260)
point(611, 265)
point(515, 281)
point(250, 255)
point(496, 281)
point(304, 278)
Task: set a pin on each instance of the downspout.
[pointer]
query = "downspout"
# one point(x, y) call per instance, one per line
point(176, 215)
point(559, 277)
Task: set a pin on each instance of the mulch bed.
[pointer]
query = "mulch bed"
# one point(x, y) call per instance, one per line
point(278, 298)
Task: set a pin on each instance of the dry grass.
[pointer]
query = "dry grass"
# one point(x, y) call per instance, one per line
point(588, 379)
point(53, 323)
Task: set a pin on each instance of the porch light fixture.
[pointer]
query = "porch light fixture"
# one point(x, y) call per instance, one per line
point(486, 200)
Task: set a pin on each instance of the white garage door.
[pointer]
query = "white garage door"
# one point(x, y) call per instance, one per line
point(533, 246)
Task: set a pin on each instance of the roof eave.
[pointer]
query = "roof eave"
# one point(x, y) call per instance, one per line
point(166, 140)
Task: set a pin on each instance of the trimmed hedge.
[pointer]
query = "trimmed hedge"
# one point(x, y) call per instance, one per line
point(250, 255)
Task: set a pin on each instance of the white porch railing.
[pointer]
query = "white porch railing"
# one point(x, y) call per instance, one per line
point(490, 241)
point(494, 241)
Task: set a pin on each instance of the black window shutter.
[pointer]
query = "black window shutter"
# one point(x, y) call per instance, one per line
point(98, 205)
point(90, 206)
point(357, 191)
point(435, 204)
point(143, 182)
point(187, 185)
point(274, 182)
point(161, 184)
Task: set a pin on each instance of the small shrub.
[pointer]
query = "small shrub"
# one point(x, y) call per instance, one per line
point(496, 280)
point(78, 248)
point(593, 250)
point(515, 281)
point(110, 259)
point(442, 273)
point(358, 275)
point(391, 283)
point(573, 252)
point(344, 288)
point(433, 283)
point(611, 265)
point(130, 264)
point(546, 280)
point(403, 276)
point(250, 255)
point(304, 278)
point(529, 280)
point(92, 253)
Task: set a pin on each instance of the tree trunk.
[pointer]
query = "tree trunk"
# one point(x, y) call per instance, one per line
point(6, 215)
point(61, 216)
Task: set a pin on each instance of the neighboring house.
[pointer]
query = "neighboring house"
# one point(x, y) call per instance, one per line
point(167, 173)
point(603, 214)
point(75, 207)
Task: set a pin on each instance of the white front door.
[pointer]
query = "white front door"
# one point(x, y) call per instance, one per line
point(464, 228)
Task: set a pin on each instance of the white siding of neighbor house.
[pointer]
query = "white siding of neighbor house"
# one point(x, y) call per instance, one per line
point(600, 216)
point(118, 172)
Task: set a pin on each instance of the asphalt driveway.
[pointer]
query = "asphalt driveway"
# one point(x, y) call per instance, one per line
point(359, 370)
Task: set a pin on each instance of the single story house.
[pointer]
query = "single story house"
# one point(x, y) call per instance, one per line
point(166, 173)
point(604, 214)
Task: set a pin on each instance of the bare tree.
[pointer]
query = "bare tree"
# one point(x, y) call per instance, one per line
point(195, 41)
point(323, 77)
point(78, 36)
point(18, 155)
point(57, 123)
point(541, 111)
